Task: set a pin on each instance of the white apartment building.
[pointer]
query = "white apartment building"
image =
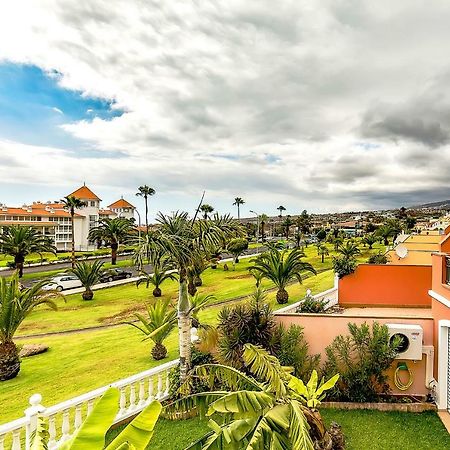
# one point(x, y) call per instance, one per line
point(54, 221)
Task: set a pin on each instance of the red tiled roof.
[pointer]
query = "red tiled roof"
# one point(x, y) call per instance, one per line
point(84, 193)
point(106, 212)
point(36, 211)
point(121, 204)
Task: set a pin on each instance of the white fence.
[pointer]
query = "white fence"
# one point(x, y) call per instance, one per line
point(65, 418)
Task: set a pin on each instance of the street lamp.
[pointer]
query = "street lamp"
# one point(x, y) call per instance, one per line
point(257, 225)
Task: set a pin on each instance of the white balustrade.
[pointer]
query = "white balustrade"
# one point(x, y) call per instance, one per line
point(136, 392)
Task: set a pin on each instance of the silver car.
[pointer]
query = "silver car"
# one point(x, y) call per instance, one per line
point(63, 282)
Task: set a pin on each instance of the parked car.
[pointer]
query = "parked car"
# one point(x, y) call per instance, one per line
point(63, 282)
point(114, 274)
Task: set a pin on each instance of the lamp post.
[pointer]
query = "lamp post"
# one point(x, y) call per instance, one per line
point(257, 225)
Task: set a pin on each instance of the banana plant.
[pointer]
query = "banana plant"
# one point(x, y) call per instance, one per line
point(91, 435)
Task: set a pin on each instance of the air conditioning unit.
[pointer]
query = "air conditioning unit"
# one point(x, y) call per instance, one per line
point(412, 340)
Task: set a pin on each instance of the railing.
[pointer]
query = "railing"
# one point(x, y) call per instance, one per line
point(64, 419)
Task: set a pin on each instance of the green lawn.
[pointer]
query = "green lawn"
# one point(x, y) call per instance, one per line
point(364, 430)
point(71, 366)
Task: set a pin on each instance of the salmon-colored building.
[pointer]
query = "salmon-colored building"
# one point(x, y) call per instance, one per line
point(411, 295)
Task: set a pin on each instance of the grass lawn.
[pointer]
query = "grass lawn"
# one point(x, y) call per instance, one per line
point(364, 430)
point(71, 366)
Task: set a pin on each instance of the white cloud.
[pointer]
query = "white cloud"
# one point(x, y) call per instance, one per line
point(199, 81)
point(57, 110)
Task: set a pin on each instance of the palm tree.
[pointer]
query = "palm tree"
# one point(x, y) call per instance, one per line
point(72, 203)
point(282, 267)
point(185, 240)
point(385, 232)
point(198, 303)
point(322, 251)
point(19, 242)
point(370, 239)
point(146, 192)
point(206, 209)
point(288, 222)
point(160, 274)
point(350, 250)
point(264, 408)
point(15, 304)
point(281, 208)
point(112, 231)
point(238, 202)
point(89, 275)
point(263, 219)
point(160, 321)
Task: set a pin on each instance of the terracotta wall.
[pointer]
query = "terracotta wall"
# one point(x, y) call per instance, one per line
point(386, 285)
point(320, 330)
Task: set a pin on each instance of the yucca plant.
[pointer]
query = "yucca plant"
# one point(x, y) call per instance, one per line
point(15, 304)
point(160, 321)
point(89, 275)
point(281, 267)
point(265, 408)
point(91, 435)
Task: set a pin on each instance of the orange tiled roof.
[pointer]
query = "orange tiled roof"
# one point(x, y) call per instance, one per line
point(35, 211)
point(121, 204)
point(84, 193)
point(106, 212)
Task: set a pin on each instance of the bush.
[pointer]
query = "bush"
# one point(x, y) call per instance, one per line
point(361, 359)
point(291, 349)
point(245, 323)
point(11, 264)
point(343, 266)
point(378, 258)
point(312, 305)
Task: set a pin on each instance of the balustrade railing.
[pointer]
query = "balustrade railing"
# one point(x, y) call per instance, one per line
point(64, 419)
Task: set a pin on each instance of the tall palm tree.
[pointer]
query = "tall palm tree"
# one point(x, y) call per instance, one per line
point(72, 203)
point(185, 240)
point(89, 275)
point(113, 232)
point(264, 408)
point(206, 209)
point(20, 241)
point(263, 219)
point(281, 208)
point(160, 321)
point(15, 304)
point(238, 201)
point(145, 192)
point(281, 267)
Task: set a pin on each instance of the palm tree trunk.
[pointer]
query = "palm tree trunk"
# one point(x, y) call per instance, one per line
point(184, 327)
point(114, 247)
point(323, 256)
point(72, 214)
point(9, 361)
point(18, 262)
point(239, 215)
point(146, 213)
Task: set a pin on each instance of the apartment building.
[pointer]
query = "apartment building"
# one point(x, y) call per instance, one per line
point(52, 220)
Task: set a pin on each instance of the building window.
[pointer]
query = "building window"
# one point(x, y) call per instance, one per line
point(447, 271)
point(93, 203)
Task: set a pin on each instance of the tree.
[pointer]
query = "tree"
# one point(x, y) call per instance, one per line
point(72, 203)
point(184, 240)
point(160, 321)
point(112, 231)
point(206, 209)
point(145, 192)
point(321, 234)
point(92, 433)
point(264, 407)
point(349, 250)
point(385, 232)
point(236, 247)
point(282, 267)
point(410, 223)
point(323, 251)
point(281, 208)
point(288, 222)
point(15, 305)
point(370, 239)
point(303, 222)
point(161, 272)
point(263, 219)
point(238, 202)
point(89, 275)
point(20, 241)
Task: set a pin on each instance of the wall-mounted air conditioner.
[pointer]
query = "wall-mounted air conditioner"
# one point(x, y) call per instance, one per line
point(412, 340)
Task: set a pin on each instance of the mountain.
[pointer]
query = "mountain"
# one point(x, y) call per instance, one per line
point(436, 205)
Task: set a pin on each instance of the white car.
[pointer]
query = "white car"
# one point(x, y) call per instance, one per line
point(63, 282)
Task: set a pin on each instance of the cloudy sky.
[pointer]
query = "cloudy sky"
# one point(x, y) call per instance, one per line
point(330, 105)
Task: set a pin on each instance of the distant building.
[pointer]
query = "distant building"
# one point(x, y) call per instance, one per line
point(52, 220)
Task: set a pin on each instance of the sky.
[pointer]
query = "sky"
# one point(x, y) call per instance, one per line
point(334, 105)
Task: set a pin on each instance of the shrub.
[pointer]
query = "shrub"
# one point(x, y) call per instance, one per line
point(11, 264)
point(343, 266)
point(361, 358)
point(312, 305)
point(291, 349)
point(378, 258)
point(245, 323)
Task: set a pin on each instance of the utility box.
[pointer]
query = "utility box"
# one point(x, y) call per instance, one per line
point(412, 340)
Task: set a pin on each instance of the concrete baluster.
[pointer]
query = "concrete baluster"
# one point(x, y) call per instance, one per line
point(65, 426)
point(142, 393)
